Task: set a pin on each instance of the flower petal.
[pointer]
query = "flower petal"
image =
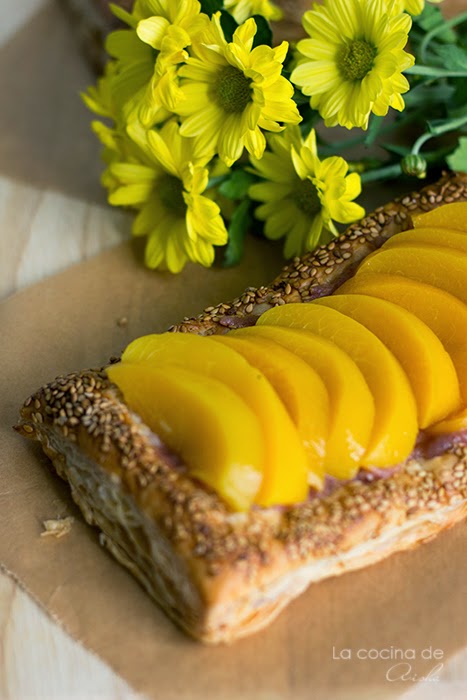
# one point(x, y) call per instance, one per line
point(151, 30)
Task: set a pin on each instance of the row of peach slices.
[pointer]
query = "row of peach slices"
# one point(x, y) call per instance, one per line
point(345, 382)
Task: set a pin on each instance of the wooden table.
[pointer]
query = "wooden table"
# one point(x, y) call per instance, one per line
point(52, 214)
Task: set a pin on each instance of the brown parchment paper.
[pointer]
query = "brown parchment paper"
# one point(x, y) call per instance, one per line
point(413, 601)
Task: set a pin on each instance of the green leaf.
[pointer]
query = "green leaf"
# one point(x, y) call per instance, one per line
point(299, 98)
point(239, 225)
point(454, 58)
point(458, 159)
point(263, 32)
point(441, 33)
point(216, 180)
point(228, 24)
point(456, 105)
point(211, 6)
point(429, 94)
point(237, 185)
point(373, 130)
point(432, 19)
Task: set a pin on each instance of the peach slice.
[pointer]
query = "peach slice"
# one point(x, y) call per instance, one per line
point(420, 352)
point(440, 267)
point(395, 426)
point(351, 402)
point(214, 431)
point(452, 216)
point(444, 313)
point(439, 237)
point(453, 424)
point(285, 478)
point(295, 382)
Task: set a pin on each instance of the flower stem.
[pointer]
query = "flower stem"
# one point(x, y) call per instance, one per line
point(449, 125)
point(387, 172)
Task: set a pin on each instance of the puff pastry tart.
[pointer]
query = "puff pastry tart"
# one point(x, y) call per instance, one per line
point(224, 551)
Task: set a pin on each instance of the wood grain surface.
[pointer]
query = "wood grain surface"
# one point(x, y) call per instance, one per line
point(52, 214)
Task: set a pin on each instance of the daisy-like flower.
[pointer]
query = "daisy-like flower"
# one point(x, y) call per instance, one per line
point(147, 54)
point(352, 64)
point(98, 98)
point(233, 92)
point(302, 196)
point(242, 9)
point(164, 178)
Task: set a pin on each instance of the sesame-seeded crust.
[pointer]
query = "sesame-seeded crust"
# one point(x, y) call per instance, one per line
point(235, 571)
point(320, 272)
point(222, 575)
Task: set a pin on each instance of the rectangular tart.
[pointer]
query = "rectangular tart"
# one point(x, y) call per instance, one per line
point(218, 574)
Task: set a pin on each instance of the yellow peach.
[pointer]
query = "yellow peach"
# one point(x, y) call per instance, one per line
point(285, 474)
point(300, 387)
point(444, 313)
point(452, 215)
point(212, 429)
point(395, 425)
point(421, 354)
point(440, 237)
point(453, 424)
point(440, 267)
point(351, 403)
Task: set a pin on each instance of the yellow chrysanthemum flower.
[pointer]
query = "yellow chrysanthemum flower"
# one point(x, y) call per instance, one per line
point(413, 7)
point(164, 178)
point(242, 9)
point(352, 64)
point(233, 92)
point(117, 148)
point(302, 196)
point(98, 98)
point(145, 82)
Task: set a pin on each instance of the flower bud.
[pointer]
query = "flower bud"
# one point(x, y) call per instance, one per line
point(414, 165)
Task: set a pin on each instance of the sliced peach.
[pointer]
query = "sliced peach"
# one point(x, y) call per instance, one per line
point(440, 267)
point(214, 431)
point(453, 424)
point(453, 216)
point(444, 313)
point(395, 426)
point(351, 402)
point(421, 354)
point(295, 381)
point(440, 237)
point(285, 478)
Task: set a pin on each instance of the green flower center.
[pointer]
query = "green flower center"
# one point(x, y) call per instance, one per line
point(170, 191)
point(232, 90)
point(355, 60)
point(305, 196)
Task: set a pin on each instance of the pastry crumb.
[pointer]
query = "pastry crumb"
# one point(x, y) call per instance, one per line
point(57, 528)
point(122, 322)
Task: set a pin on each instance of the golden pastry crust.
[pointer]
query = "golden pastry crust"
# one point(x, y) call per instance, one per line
point(222, 575)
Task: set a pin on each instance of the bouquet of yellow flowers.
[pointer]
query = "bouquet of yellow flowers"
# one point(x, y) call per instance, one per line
point(210, 130)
